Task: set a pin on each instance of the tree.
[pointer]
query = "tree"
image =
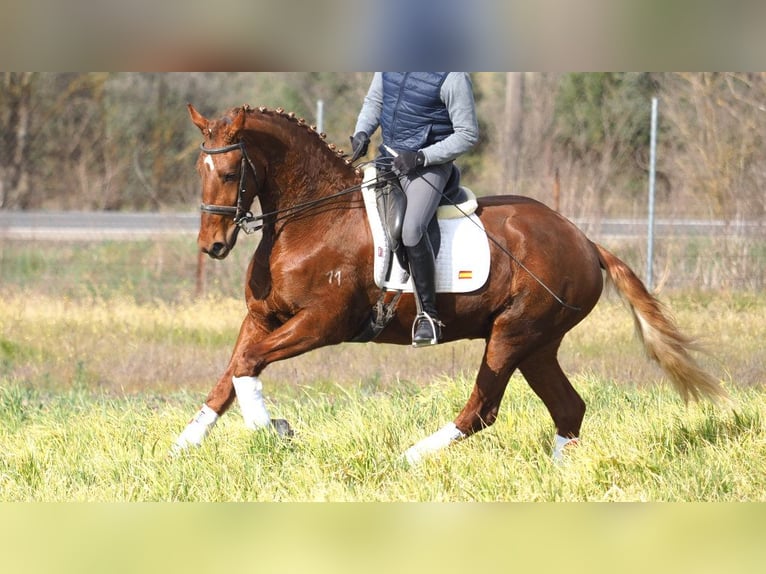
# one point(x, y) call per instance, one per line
point(123, 140)
point(15, 119)
point(718, 121)
point(514, 121)
point(603, 122)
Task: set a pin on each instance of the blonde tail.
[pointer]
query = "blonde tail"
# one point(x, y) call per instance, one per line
point(663, 341)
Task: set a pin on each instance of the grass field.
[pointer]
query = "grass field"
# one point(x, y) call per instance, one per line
point(105, 354)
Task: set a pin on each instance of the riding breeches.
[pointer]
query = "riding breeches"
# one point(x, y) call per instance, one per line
point(423, 189)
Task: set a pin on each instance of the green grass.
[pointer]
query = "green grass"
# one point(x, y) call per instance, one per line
point(105, 354)
point(638, 446)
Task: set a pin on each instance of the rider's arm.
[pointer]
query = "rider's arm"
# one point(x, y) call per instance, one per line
point(457, 95)
point(369, 115)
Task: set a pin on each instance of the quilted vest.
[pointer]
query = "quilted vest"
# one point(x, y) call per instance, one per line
point(413, 114)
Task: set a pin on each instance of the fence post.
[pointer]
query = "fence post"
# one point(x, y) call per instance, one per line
point(652, 168)
point(320, 116)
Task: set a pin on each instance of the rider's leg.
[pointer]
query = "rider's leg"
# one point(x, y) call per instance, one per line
point(427, 327)
point(423, 189)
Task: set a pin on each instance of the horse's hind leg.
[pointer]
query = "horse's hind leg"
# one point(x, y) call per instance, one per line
point(543, 373)
point(480, 411)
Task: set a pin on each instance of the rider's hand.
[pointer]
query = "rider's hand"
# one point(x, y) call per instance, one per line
point(359, 143)
point(408, 161)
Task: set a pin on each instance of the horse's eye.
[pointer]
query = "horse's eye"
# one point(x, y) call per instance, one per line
point(233, 176)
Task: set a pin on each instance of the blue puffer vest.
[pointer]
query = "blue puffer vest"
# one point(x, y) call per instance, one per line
point(413, 114)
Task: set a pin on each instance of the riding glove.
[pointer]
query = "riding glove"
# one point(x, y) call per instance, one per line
point(408, 161)
point(359, 143)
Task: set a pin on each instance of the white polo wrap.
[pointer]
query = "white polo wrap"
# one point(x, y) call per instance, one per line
point(250, 396)
point(441, 439)
point(197, 429)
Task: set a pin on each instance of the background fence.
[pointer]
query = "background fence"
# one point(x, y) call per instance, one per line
point(688, 254)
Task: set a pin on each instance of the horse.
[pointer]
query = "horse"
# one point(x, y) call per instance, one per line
point(310, 281)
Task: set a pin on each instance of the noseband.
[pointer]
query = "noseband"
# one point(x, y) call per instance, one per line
point(242, 218)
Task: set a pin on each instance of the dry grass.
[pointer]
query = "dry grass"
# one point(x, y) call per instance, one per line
point(123, 317)
point(121, 346)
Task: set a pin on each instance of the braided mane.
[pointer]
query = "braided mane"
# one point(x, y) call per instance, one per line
point(280, 113)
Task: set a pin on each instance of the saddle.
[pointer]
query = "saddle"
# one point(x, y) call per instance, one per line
point(456, 201)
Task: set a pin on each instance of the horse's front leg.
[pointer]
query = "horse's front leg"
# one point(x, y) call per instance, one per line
point(248, 390)
point(255, 349)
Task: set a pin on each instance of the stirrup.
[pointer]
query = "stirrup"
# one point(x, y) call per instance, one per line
point(435, 325)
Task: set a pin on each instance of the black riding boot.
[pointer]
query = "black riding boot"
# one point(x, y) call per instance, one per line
point(426, 330)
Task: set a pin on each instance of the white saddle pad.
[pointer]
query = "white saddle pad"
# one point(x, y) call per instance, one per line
point(462, 265)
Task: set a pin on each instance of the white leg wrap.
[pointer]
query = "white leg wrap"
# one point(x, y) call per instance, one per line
point(197, 429)
point(250, 396)
point(560, 444)
point(441, 439)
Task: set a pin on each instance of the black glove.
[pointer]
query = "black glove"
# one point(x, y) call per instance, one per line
point(359, 143)
point(408, 161)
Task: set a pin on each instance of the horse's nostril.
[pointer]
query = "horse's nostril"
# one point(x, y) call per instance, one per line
point(218, 249)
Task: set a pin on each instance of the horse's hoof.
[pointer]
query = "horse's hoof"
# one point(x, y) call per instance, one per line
point(282, 428)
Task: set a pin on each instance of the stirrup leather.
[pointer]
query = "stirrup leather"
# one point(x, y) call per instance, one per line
point(435, 325)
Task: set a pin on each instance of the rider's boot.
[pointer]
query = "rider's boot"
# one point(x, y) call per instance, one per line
point(427, 328)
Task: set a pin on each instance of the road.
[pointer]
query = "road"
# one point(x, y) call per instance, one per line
point(74, 226)
point(77, 226)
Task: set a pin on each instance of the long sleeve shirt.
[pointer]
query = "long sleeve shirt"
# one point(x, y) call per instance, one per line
point(457, 95)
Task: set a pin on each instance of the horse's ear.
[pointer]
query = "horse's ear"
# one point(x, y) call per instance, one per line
point(199, 120)
point(237, 124)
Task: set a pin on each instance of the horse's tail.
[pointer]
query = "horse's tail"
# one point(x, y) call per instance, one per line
point(663, 341)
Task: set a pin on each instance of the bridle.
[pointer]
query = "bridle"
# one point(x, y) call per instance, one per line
point(243, 218)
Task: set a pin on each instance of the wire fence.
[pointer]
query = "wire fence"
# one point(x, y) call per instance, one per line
point(688, 254)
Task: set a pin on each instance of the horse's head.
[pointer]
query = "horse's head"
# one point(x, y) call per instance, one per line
point(229, 181)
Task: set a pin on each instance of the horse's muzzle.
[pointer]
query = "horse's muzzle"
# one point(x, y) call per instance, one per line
point(218, 245)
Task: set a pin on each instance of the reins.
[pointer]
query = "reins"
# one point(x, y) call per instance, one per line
point(249, 223)
point(245, 220)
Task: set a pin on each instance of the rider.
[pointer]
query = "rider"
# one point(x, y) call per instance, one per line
point(427, 119)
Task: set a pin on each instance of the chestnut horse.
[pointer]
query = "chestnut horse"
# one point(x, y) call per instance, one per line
point(546, 276)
